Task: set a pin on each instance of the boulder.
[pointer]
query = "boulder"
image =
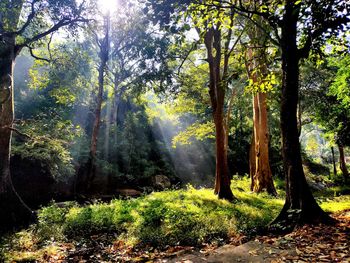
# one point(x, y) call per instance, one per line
point(161, 182)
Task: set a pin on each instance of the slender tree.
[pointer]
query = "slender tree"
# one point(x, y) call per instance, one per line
point(104, 47)
point(218, 36)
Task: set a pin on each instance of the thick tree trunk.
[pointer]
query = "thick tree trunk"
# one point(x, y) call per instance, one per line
point(300, 206)
point(333, 161)
point(13, 210)
point(342, 162)
point(222, 180)
point(7, 57)
point(262, 178)
point(95, 129)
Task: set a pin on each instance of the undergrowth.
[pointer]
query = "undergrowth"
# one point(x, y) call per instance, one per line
point(175, 217)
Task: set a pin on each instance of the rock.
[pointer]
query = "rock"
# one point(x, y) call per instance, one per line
point(318, 186)
point(161, 182)
point(128, 192)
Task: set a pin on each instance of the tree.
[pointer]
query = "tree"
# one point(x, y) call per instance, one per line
point(340, 89)
point(260, 171)
point(219, 40)
point(215, 29)
point(137, 58)
point(23, 24)
point(104, 50)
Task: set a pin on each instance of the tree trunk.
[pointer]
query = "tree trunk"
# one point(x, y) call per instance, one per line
point(300, 206)
point(14, 211)
point(222, 180)
point(262, 178)
point(342, 162)
point(252, 167)
point(333, 161)
point(104, 52)
point(7, 58)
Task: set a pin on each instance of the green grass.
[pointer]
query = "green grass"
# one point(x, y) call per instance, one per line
point(188, 217)
point(175, 217)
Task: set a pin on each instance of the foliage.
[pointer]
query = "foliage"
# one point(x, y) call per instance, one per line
point(48, 142)
point(340, 85)
point(324, 95)
point(188, 216)
point(199, 131)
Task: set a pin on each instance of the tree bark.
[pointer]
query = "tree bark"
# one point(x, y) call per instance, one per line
point(7, 58)
point(14, 210)
point(342, 162)
point(222, 178)
point(262, 177)
point(333, 161)
point(252, 167)
point(300, 206)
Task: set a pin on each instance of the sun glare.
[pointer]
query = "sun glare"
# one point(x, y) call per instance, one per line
point(106, 6)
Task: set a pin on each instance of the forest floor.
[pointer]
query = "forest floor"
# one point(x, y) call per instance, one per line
point(155, 227)
point(321, 243)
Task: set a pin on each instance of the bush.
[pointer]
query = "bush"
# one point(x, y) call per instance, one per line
point(186, 217)
point(51, 220)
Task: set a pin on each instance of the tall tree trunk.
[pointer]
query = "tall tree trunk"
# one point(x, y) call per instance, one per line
point(333, 161)
point(217, 89)
point(342, 162)
point(261, 176)
point(300, 206)
point(12, 207)
point(7, 58)
point(104, 53)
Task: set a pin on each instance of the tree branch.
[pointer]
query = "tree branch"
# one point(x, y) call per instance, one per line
point(18, 132)
point(54, 28)
point(29, 18)
point(304, 51)
point(35, 56)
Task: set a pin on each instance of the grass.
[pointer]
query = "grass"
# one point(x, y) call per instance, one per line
point(175, 217)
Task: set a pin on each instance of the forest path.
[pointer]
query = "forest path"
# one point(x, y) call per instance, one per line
point(321, 243)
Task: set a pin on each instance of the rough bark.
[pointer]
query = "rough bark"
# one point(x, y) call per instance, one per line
point(6, 113)
point(342, 162)
point(300, 206)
